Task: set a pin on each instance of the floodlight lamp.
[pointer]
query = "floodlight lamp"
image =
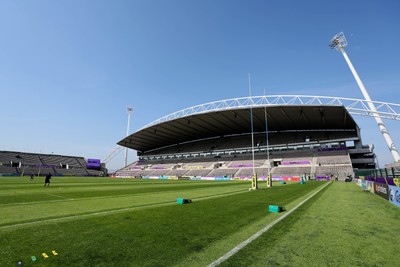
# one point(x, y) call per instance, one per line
point(338, 41)
point(129, 109)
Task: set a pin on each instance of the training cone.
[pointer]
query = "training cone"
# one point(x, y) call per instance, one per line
point(54, 252)
point(33, 258)
point(45, 255)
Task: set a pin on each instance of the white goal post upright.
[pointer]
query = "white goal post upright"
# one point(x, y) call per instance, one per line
point(339, 42)
point(254, 183)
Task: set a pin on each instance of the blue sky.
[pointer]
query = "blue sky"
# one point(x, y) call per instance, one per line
point(69, 69)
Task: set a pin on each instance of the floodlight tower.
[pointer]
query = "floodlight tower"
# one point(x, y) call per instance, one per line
point(129, 109)
point(339, 42)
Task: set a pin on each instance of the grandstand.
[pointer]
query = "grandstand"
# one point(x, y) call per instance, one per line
point(13, 163)
point(290, 142)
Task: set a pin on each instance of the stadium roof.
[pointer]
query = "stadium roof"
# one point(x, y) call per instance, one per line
point(237, 120)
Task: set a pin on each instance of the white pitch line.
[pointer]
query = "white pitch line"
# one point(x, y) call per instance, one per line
point(259, 233)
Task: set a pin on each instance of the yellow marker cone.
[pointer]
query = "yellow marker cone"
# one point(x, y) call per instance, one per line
point(45, 255)
point(54, 253)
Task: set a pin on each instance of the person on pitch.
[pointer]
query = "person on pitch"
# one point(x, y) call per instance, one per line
point(47, 180)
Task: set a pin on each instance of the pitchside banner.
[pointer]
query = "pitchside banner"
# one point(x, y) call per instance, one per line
point(364, 184)
point(370, 186)
point(382, 190)
point(394, 195)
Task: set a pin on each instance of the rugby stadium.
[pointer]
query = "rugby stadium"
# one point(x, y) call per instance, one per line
point(288, 137)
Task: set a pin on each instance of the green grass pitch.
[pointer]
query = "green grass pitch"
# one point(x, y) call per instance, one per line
point(127, 222)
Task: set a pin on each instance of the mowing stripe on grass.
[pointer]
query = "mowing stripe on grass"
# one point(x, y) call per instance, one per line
point(117, 210)
point(66, 199)
point(81, 216)
point(259, 233)
point(59, 196)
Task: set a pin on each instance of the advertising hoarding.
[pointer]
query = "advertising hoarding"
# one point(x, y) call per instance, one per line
point(382, 190)
point(394, 195)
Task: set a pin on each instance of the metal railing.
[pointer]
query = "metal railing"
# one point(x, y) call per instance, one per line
point(354, 106)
